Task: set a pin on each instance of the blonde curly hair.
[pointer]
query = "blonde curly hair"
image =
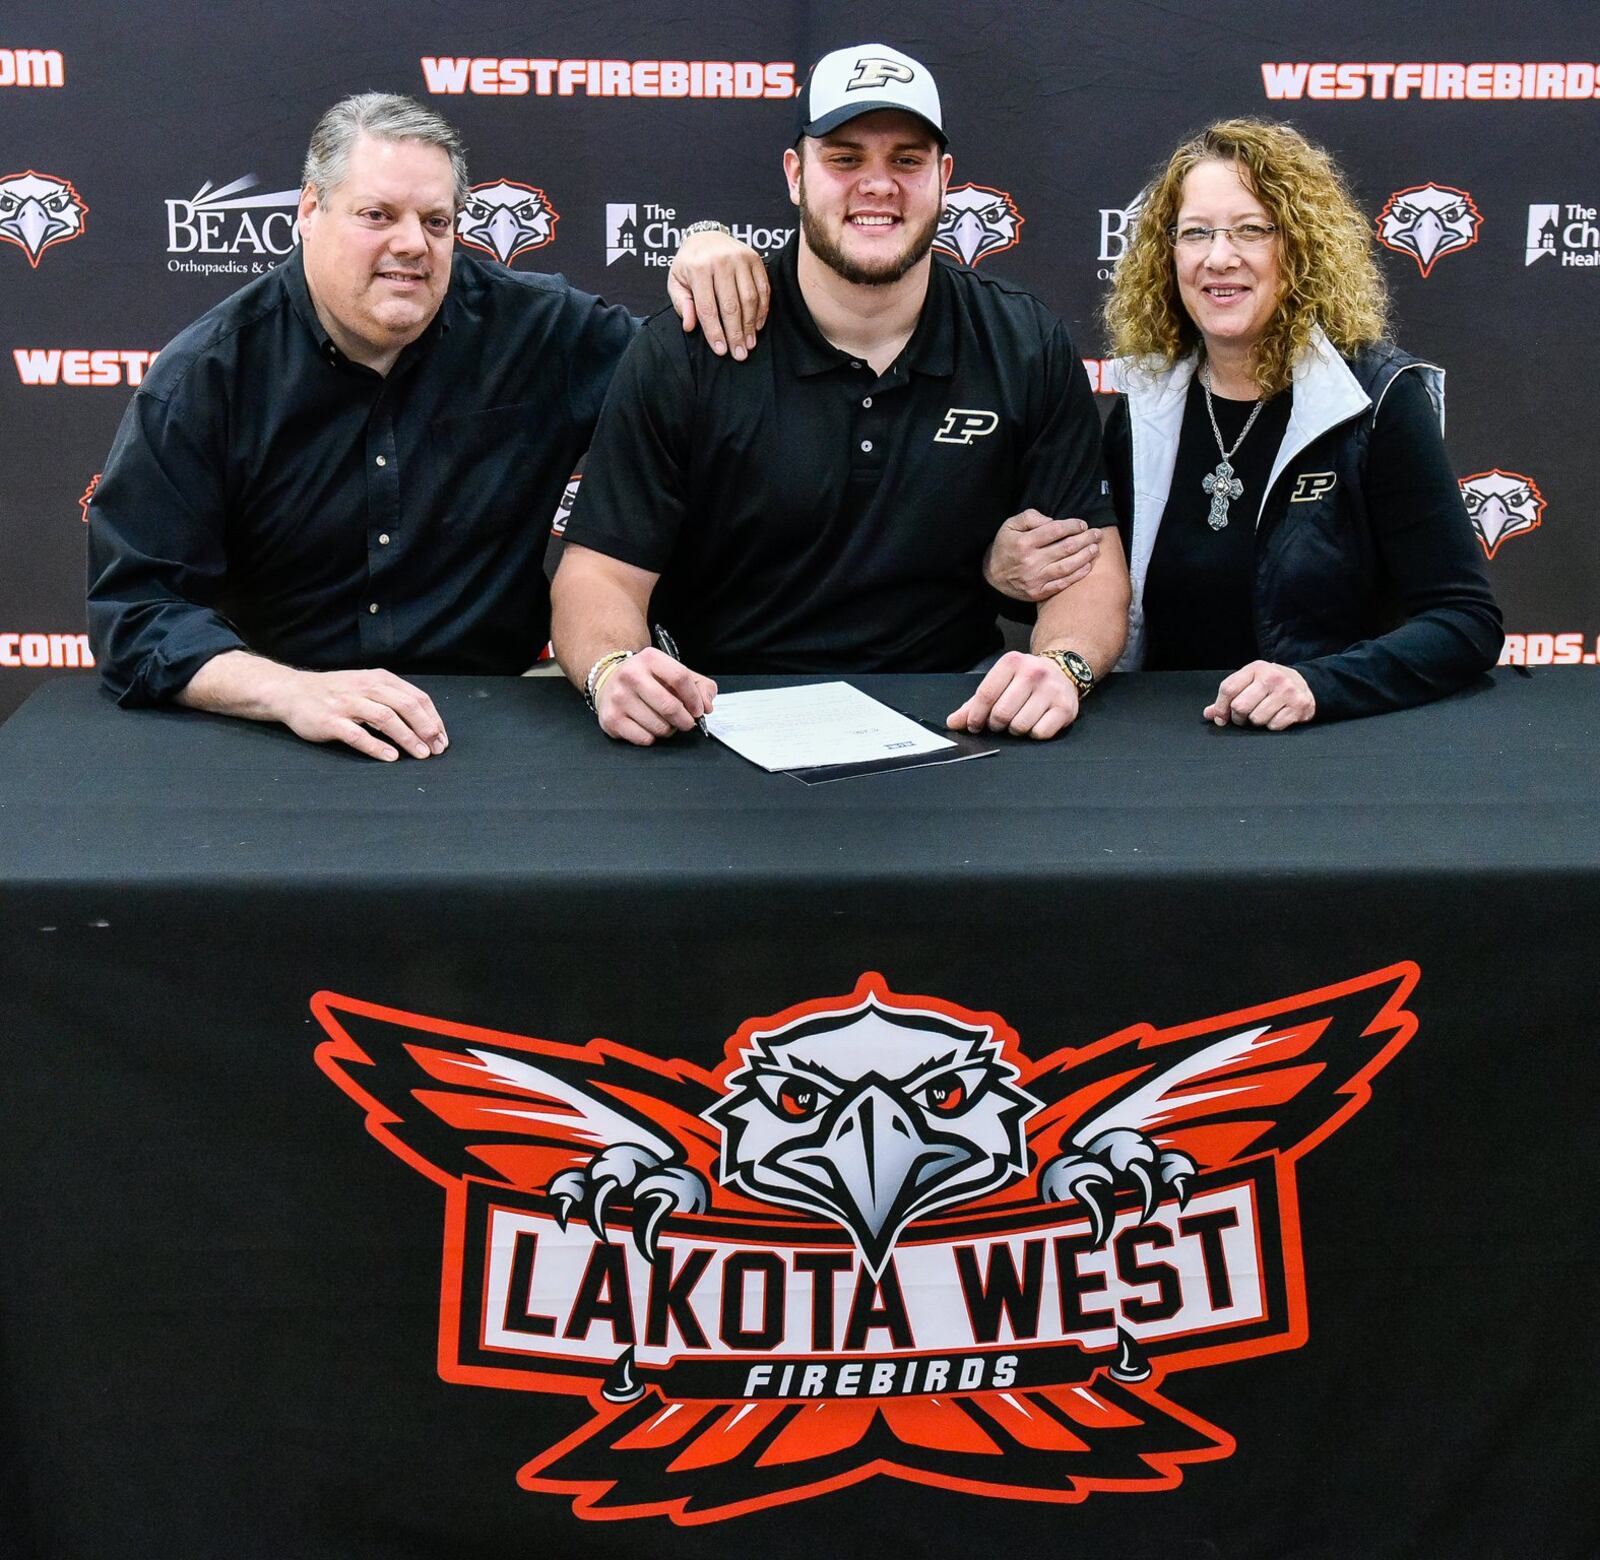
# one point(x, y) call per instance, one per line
point(1326, 272)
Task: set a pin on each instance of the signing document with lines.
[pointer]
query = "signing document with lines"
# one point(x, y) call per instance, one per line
point(822, 725)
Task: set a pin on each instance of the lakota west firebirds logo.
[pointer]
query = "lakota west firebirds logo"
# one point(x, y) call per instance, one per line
point(506, 219)
point(1501, 504)
point(38, 210)
point(878, 1241)
point(977, 222)
point(1427, 222)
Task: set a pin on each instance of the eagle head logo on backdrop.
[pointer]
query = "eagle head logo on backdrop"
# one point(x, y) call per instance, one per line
point(1428, 222)
point(1501, 504)
point(878, 1240)
point(38, 210)
point(977, 222)
point(506, 219)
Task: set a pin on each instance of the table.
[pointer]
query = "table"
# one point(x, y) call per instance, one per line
point(298, 1047)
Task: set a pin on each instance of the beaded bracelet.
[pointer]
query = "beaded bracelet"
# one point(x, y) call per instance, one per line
point(598, 674)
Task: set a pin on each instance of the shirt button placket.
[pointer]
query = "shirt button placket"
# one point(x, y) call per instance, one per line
point(376, 622)
point(867, 444)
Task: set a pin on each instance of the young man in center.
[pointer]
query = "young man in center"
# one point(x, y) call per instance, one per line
point(827, 505)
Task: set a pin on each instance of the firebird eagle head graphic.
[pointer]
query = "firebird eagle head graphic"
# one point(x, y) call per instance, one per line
point(873, 1120)
point(1427, 222)
point(38, 210)
point(878, 1239)
point(977, 222)
point(506, 219)
point(1501, 504)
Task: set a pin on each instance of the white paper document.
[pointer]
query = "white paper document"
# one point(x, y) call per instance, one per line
point(823, 723)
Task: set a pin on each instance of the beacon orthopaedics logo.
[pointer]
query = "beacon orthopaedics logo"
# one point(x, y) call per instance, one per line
point(32, 68)
point(82, 366)
point(1488, 82)
point(39, 652)
point(1117, 224)
point(226, 230)
point(520, 76)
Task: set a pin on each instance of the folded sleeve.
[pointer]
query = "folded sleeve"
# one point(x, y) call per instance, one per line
point(157, 550)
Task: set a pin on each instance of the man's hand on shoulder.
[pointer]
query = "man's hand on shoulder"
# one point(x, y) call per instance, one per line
point(1023, 694)
point(720, 285)
point(650, 696)
point(1032, 557)
point(358, 708)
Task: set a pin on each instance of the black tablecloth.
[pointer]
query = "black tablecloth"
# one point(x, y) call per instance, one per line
point(251, 1232)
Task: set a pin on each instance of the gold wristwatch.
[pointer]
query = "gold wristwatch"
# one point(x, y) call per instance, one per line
point(1075, 667)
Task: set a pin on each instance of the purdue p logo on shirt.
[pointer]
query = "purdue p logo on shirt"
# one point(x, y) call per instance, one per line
point(962, 425)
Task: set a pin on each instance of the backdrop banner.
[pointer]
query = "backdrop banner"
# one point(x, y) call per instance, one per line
point(150, 160)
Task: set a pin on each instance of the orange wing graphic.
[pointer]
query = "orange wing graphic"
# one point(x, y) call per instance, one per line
point(1275, 1079)
point(454, 1101)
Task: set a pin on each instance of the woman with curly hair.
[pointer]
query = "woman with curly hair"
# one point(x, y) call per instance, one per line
point(1280, 477)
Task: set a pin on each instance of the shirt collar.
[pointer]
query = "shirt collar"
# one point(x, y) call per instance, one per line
point(930, 351)
point(293, 272)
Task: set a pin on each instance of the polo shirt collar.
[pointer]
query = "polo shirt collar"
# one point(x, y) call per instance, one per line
point(931, 350)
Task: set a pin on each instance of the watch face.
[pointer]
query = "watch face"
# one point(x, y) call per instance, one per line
point(1082, 673)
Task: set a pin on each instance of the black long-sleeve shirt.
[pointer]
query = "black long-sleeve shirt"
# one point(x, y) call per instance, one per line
point(265, 492)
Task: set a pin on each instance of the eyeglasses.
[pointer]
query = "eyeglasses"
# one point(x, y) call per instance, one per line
point(1242, 236)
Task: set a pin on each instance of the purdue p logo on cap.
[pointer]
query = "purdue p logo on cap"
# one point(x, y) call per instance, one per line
point(877, 73)
point(862, 79)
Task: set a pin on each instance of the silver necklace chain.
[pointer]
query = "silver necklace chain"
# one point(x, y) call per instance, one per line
point(1221, 485)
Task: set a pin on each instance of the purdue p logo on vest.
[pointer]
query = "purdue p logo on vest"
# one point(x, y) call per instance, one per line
point(1311, 485)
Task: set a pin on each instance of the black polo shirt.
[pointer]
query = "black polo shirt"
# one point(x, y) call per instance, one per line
point(266, 492)
point(808, 515)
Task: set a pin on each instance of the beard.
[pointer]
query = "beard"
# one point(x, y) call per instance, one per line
point(881, 273)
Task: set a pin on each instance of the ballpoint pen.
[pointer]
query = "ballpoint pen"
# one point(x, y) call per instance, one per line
point(669, 646)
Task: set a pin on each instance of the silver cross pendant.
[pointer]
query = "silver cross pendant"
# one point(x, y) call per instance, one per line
point(1221, 485)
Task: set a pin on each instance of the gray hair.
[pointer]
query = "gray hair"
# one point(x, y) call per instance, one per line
point(386, 116)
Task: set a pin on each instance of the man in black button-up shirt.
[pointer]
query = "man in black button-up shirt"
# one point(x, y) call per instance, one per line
point(827, 507)
point(347, 469)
